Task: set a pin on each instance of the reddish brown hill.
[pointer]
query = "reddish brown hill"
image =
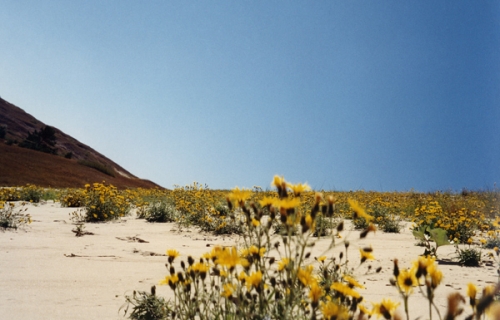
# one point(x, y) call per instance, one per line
point(19, 166)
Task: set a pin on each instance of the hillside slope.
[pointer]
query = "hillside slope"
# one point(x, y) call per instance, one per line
point(19, 166)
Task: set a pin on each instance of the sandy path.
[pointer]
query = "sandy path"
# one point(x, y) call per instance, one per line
point(48, 273)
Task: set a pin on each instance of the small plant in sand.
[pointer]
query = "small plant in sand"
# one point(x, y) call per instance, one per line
point(146, 306)
point(469, 256)
point(431, 239)
point(12, 217)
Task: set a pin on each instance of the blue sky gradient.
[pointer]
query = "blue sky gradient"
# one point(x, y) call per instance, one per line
point(344, 95)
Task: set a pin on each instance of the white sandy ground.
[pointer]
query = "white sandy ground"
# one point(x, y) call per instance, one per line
point(48, 273)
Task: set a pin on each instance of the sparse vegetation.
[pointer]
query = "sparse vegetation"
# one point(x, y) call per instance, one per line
point(147, 306)
point(269, 275)
point(12, 216)
point(43, 140)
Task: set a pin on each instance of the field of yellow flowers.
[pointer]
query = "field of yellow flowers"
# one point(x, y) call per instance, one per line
point(268, 275)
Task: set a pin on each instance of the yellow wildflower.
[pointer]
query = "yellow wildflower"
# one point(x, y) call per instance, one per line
point(315, 292)
point(288, 203)
point(228, 289)
point(254, 280)
point(172, 254)
point(239, 196)
point(321, 259)
point(305, 275)
point(298, 188)
point(229, 257)
point(353, 282)
point(345, 290)
point(171, 280)
point(435, 274)
point(267, 201)
point(366, 254)
point(407, 280)
point(385, 308)
point(359, 212)
point(283, 264)
point(278, 181)
point(471, 290)
point(331, 310)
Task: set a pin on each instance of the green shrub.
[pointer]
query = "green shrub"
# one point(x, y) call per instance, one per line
point(50, 194)
point(469, 257)
point(360, 223)
point(31, 193)
point(43, 140)
point(147, 306)
point(161, 211)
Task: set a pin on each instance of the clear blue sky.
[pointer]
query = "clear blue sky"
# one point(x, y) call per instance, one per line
point(373, 95)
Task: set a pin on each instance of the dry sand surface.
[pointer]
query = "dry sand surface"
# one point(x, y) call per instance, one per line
point(48, 273)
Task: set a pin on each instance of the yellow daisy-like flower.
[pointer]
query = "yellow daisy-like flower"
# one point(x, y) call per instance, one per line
point(239, 196)
point(253, 251)
point(230, 258)
point(315, 292)
point(172, 254)
point(407, 280)
point(435, 275)
point(199, 268)
point(283, 263)
point(257, 251)
point(278, 181)
point(288, 203)
point(171, 280)
point(366, 254)
point(422, 264)
point(364, 310)
point(298, 188)
point(254, 280)
point(385, 308)
point(471, 290)
point(345, 290)
point(331, 310)
point(267, 201)
point(228, 289)
point(321, 259)
point(359, 212)
point(305, 275)
point(471, 293)
point(353, 282)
